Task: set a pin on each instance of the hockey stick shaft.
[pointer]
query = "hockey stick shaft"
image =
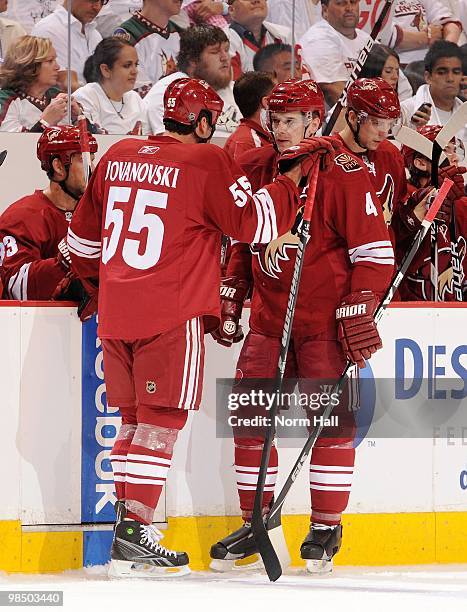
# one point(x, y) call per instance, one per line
point(266, 550)
point(85, 148)
point(3, 155)
point(274, 515)
point(357, 68)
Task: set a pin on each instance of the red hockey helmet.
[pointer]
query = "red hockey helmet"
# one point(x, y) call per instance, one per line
point(184, 99)
point(295, 95)
point(374, 97)
point(430, 132)
point(60, 141)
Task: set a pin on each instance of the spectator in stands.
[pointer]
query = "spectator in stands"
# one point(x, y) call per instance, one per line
point(29, 98)
point(84, 35)
point(330, 47)
point(415, 73)
point(384, 62)
point(204, 54)
point(419, 23)
point(9, 30)
point(250, 92)
point(114, 13)
point(29, 12)
point(276, 59)
point(249, 31)
point(156, 40)
point(463, 91)
point(108, 100)
point(35, 260)
point(212, 12)
point(307, 12)
point(443, 75)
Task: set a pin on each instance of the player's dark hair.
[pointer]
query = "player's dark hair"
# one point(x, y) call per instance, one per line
point(194, 40)
point(181, 128)
point(374, 64)
point(438, 50)
point(249, 89)
point(107, 52)
point(266, 53)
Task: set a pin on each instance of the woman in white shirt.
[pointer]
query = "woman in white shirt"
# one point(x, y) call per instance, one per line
point(108, 99)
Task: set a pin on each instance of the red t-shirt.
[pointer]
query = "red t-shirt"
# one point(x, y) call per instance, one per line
point(248, 135)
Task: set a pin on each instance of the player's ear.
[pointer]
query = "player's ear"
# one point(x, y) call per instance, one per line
point(58, 168)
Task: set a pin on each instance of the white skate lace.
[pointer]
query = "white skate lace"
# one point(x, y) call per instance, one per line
point(151, 537)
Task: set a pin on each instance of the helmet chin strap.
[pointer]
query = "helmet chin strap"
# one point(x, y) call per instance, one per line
point(64, 187)
point(355, 132)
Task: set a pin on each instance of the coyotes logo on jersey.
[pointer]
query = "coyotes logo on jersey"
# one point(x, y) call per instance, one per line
point(270, 256)
point(386, 198)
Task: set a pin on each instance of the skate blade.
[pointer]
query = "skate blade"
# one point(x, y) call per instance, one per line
point(318, 566)
point(130, 569)
point(237, 565)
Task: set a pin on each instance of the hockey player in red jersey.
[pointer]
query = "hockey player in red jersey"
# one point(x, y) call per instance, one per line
point(150, 226)
point(372, 110)
point(34, 258)
point(348, 262)
point(418, 283)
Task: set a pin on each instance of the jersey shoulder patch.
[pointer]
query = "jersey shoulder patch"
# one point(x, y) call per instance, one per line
point(347, 162)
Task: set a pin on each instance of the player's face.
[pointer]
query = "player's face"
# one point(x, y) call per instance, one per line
point(122, 75)
point(342, 14)
point(445, 78)
point(390, 71)
point(281, 65)
point(49, 70)
point(214, 65)
point(86, 10)
point(373, 131)
point(75, 181)
point(246, 12)
point(290, 128)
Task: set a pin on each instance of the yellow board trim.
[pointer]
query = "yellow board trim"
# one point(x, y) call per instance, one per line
point(369, 539)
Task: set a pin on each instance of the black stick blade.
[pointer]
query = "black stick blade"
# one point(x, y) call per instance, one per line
point(3, 155)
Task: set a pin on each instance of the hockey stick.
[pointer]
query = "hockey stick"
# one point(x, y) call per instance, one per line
point(434, 260)
point(273, 521)
point(3, 155)
point(357, 68)
point(272, 546)
point(85, 148)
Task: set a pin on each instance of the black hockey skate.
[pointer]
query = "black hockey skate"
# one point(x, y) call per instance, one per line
point(136, 553)
point(320, 546)
point(238, 545)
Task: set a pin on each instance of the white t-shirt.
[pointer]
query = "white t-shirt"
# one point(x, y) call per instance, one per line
point(55, 27)
point(126, 117)
point(114, 13)
point(306, 14)
point(415, 15)
point(328, 54)
point(154, 101)
point(242, 50)
point(29, 12)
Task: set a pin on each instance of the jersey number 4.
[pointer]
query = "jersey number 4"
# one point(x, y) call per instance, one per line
point(140, 220)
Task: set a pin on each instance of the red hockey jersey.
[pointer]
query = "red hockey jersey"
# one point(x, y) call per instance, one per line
point(349, 250)
point(417, 284)
point(248, 135)
point(387, 173)
point(30, 230)
point(150, 226)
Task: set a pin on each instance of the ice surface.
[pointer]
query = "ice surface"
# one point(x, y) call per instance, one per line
point(438, 588)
